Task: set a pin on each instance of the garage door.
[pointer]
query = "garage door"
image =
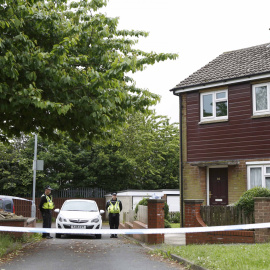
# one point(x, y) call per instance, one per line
point(174, 203)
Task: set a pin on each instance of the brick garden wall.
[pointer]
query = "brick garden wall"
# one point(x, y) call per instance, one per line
point(193, 219)
point(20, 222)
point(156, 220)
point(226, 237)
point(262, 215)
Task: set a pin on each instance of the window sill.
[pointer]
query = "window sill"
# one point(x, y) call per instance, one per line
point(260, 116)
point(213, 121)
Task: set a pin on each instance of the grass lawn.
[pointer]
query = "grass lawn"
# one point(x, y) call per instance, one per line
point(9, 244)
point(175, 225)
point(225, 257)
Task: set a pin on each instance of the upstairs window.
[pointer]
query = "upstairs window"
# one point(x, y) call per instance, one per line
point(260, 93)
point(214, 105)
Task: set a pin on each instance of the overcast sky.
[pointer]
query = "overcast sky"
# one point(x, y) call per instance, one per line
point(198, 30)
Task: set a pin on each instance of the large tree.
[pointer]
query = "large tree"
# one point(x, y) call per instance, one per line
point(152, 143)
point(65, 67)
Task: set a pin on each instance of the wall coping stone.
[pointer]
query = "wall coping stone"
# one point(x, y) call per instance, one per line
point(13, 219)
point(261, 198)
point(194, 201)
point(30, 220)
point(155, 200)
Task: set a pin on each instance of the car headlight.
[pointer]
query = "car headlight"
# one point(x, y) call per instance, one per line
point(62, 219)
point(95, 220)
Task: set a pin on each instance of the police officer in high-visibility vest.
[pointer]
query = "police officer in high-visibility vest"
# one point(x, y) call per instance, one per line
point(46, 206)
point(114, 207)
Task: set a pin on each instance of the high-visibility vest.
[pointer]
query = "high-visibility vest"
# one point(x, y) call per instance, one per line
point(114, 208)
point(49, 204)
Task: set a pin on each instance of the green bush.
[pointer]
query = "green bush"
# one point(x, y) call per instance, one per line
point(246, 202)
point(176, 218)
point(166, 212)
point(141, 202)
point(167, 224)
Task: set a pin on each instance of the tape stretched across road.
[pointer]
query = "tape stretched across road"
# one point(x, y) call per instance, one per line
point(137, 231)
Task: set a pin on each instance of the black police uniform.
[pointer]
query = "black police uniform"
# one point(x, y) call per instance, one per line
point(46, 214)
point(114, 217)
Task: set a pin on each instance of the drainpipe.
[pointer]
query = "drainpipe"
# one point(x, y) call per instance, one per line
point(181, 165)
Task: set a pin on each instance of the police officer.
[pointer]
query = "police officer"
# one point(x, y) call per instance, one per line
point(46, 206)
point(114, 207)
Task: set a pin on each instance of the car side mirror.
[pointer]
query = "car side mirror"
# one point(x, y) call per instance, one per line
point(101, 211)
point(57, 210)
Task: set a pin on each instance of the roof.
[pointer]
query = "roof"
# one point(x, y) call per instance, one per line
point(149, 193)
point(231, 65)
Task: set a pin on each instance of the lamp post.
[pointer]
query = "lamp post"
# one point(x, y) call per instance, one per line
point(33, 210)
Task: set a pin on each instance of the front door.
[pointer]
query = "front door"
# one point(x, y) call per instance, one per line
point(218, 186)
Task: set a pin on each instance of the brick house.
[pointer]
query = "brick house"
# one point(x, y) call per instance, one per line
point(225, 126)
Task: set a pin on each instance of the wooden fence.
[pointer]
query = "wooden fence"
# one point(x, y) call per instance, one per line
point(24, 207)
point(79, 193)
point(225, 215)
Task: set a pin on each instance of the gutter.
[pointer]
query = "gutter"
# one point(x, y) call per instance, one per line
point(181, 164)
point(183, 89)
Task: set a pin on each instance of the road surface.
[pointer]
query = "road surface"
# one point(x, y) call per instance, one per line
point(80, 253)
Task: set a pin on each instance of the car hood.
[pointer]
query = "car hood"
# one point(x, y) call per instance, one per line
point(79, 214)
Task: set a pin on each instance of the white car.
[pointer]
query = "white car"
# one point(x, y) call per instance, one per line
point(79, 214)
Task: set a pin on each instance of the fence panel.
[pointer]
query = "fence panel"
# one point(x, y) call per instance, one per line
point(65, 193)
point(225, 215)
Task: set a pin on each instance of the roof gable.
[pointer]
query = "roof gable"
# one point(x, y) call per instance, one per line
point(231, 65)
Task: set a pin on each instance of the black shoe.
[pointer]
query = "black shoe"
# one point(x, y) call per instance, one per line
point(49, 237)
point(112, 236)
point(115, 236)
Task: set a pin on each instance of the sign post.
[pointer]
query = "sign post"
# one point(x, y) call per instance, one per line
point(33, 210)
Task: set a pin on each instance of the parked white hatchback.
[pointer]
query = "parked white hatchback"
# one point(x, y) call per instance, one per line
point(79, 214)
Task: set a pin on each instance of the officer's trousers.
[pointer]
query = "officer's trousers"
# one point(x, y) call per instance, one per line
point(47, 220)
point(114, 221)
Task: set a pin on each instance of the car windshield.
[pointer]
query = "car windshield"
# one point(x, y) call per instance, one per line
point(80, 206)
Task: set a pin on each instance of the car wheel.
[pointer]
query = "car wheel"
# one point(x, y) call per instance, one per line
point(57, 235)
point(98, 236)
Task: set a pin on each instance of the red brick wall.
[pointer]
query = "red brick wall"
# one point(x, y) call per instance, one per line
point(18, 223)
point(192, 213)
point(193, 219)
point(155, 220)
point(225, 237)
point(261, 214)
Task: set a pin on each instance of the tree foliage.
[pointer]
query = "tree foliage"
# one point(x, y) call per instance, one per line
point(145, 155)
point(65, 67)
point(15, 169)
